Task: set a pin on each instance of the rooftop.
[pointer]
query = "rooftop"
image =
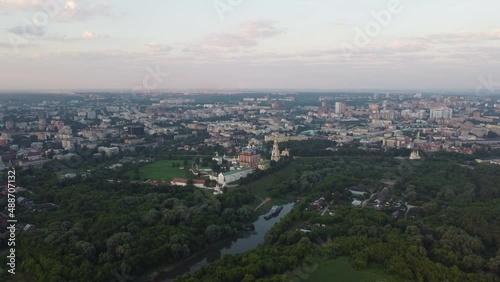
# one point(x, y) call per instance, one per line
point(237, 171)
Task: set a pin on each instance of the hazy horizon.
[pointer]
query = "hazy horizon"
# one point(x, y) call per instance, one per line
point(219, 44)
point(246, 91)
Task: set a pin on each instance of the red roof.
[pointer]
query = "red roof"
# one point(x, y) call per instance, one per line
point(185, 181)
point(153, 182)
point(180, 180)
point(198, 181)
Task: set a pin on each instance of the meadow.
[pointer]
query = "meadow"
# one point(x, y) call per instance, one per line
point(341, 270)
point(164, 170)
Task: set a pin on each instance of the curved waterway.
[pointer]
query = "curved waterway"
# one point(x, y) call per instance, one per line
point(246, 241)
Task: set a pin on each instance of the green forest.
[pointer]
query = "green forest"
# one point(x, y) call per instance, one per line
point(99, 230)
point(453, 233)
point(94, 228)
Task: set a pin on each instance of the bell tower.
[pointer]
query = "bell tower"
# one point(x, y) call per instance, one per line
point(276, 151)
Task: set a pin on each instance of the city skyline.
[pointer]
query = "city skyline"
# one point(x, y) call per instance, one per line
point(249, 45)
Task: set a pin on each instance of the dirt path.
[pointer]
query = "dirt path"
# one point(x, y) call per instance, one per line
point(408, 210)
point(263, 203)
point(366, 201)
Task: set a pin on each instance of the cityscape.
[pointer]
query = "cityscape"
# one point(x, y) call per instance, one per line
point(224, 144)
point(240, 126)
point(249, 141)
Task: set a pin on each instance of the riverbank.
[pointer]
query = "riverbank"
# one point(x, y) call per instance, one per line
point(235, 245)
point(153, 274)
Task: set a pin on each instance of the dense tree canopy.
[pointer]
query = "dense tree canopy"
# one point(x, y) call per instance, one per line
point(92, 230)
point(96, 230)
point(452, 236)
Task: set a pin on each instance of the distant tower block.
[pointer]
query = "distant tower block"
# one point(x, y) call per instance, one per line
point(276, 151)
point(9, 124)
point(42, 123)
point(42, 115)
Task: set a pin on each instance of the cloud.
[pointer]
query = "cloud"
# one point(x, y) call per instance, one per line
point(236, 48)
point(88, 35)
point(405, 46)
point(18, 45)
point(82, 10)
point(64, 10)
point(495, 34)
point(228, 40)
point(259, 29)
point(245, 36)
point(153, 48)
point(21, 36)
point(88, 58)
point(60, 38)
point(461, 37)
point(27, 30)
point(341, 23)
point(19, 4)
point(263, 69)
point(219, 44)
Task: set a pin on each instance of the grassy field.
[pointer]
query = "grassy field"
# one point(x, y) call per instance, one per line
point(163, 170)
point(340, 270)
point(260, 187)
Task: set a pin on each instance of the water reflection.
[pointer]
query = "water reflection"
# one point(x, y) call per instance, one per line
point(240, 244)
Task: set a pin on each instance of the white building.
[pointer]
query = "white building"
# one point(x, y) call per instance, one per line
point(199, 183)
point(415, 155)
point(109, 151)
point(357, 203)
point(65, 134)
point(220, 159)
point(275, 156)
point(68, 144)
point(232, 176)
point(442, 112)
point(340, 107)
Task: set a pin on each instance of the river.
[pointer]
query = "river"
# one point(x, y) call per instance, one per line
point(240, 244)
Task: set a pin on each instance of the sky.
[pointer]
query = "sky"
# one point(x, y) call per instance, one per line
point(249, 44)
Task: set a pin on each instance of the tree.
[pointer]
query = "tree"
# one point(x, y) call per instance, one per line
point(213, 233)
point(492, 134)
point(50, 155)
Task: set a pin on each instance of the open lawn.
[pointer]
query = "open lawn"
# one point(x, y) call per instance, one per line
point(340, 270)
point(260, 187)
point(163, 171)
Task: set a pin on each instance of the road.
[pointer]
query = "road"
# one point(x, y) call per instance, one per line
point(366, 201)
point(323, 213)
